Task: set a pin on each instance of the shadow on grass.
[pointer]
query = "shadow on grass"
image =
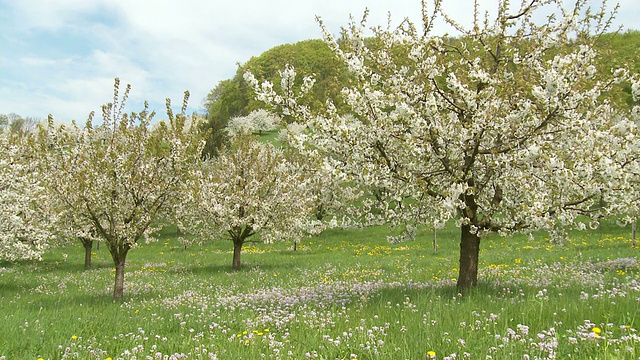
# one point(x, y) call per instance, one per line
point(54, 266)
point(450, 292)
point(400, 294)
point(216, 269)
point(7, 289)
point(81, 302)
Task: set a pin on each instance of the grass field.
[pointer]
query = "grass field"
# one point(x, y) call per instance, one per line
point(342, 295)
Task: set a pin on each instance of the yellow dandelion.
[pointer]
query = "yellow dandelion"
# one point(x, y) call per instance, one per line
point(596, 330)
point(431, 354)
point(74, 337)
point(246, 341)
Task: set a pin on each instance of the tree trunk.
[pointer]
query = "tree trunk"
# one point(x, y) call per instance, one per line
point(469, 251)
point(435, 240)
point(118, 289)
point(119, 255)
point(633, 232)
point(237, 249)
point(88, 246)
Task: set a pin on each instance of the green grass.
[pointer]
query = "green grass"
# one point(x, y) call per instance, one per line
point(271, 137)
point(342, 295)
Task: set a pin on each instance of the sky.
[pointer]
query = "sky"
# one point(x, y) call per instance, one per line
point(60, 57)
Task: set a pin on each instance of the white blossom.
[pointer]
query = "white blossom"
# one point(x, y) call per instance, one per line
point(24, 233)
point(258, 120)
point(505, 129)
point(120, 177)
point(250, 189)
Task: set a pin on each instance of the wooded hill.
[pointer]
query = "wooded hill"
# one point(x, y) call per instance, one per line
point(232, 97)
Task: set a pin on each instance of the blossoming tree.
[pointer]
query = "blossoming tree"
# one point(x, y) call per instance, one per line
point(23, 230)
point(119, 176)
point(250, 188)
point(505, 128)
point(258, 121)
point(628, 201)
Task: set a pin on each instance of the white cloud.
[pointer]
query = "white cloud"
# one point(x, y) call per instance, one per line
point(31, 61)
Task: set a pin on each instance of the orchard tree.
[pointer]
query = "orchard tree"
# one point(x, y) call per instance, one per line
point(505, 128)
point(628, 202)
point(257, 121)
point(251, 188)
point(70, 229)
point(329, 187)
point(24, 233)
point(120, 176)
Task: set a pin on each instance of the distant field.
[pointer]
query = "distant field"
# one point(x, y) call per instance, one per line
point(342, 295)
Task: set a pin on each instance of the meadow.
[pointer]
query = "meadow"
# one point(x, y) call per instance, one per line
point(345, 294)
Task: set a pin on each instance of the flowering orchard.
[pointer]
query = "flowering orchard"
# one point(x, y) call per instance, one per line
point(507, 127)
point(120, 181)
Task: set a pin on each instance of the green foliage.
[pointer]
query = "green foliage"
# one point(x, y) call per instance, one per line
point(620, 50)
point(17, 124)
point(232, 97)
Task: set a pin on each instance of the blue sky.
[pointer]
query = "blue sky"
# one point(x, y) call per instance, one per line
point(60, 57)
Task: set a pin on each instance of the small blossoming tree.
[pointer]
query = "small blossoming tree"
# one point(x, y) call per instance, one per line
point(257, 121)
point(119, 176)
point(250, 189)
point(506, 128)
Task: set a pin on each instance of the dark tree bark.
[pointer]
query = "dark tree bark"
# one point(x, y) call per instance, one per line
point(633, 232)
point(119, 255)
point(118, 289)
point(237, 250)
point(238, 235)
point(469, 244)
point(88, 247)
point(469, 251)
point(320, 212)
